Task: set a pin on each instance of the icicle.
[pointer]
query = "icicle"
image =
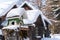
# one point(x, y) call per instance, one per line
point(44, 22)
point(43, 36)
point(45, 28)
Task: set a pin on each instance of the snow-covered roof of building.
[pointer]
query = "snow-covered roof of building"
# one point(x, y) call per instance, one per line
point(11, 27)
point(33, 15)
point(5, 7)
point(4, 23)
point(25, 2)
point(16, 12)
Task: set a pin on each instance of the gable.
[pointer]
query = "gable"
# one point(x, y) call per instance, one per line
point(39, 21)
point(27, 5)
point(2, 18)
point(32, 16)
point(6, 7)
point(15, 6)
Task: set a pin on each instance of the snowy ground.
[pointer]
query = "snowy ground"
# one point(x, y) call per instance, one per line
point(53, 37)
point(50, 39)
point(26, 38)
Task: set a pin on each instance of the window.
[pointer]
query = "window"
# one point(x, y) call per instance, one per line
point(24, 16)
point(12, 22)
point(36, 31)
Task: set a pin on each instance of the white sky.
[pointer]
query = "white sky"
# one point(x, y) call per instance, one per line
point(5, 0)
point(43, 1)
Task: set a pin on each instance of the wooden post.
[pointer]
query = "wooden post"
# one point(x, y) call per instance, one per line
point(52, 28)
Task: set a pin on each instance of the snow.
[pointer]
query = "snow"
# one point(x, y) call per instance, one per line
point(1, 32)
point(26, 21)
point(54, 20)
point(46, 19)
point(26, 38)
point(56, 36)
point(56, 15)
point(50, 39)
point(53, 37)
point(4, 23)
point(13, 27)
point(43, 21)
point(16, 12)
point(25, 2)
point(24, 26)
point(38, 36)
point(33, 15)
point(56, 9)
point(5, 7)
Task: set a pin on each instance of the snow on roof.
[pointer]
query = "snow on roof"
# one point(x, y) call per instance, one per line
point(33, 15)
point(25, 2)
point(11, 27)
point(16, 12)
point(4, 23)
point(5, 7)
